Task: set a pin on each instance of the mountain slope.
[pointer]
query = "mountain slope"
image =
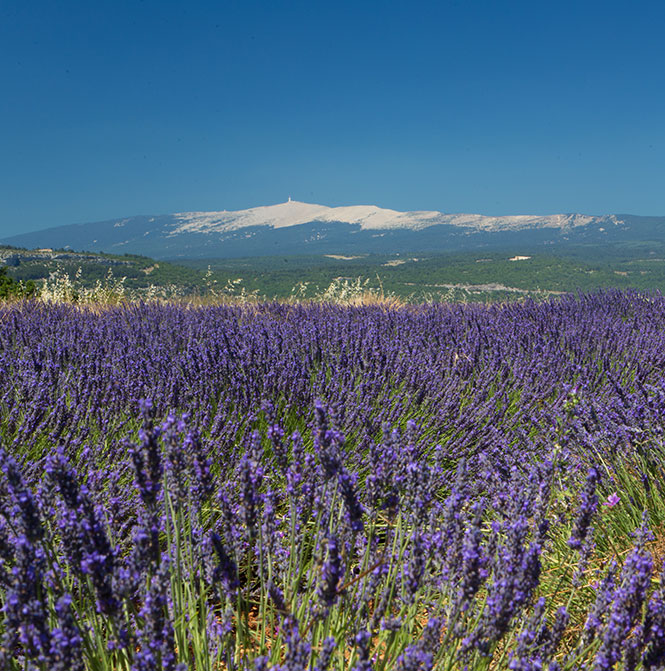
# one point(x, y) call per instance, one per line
point(295, 227)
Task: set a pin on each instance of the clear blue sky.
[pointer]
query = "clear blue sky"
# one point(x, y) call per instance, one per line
point(110, 109)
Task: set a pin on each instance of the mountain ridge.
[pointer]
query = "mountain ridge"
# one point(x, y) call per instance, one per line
point(312, 228)
point(291, 213)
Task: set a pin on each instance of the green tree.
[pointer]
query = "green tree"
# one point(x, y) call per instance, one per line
point(10, 288)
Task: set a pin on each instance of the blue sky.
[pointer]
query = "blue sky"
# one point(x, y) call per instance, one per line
point(109, 109)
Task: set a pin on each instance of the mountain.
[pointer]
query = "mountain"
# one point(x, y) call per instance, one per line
point(294, 227)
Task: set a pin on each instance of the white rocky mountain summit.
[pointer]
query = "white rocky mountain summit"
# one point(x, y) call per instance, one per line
point(369, 217)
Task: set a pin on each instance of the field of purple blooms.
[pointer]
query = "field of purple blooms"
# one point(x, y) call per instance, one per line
point(311, 487)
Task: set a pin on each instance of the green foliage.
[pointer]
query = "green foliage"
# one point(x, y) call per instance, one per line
point(10, 288)
point(473, 276)
point(476, 277)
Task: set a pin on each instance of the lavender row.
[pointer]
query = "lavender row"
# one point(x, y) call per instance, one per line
point(458, 368)
point(325, 487)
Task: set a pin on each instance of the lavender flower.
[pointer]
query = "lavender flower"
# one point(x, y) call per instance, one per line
point(26, 615)
point(627, 603)
point(146, 458)
point(223, 569)
point(65, 650)
point(362, 641)
point(251, 477)
point(537, 643)
point(20, 504)
point(654, 628)
point(298, 651)
point(415, 568)
point(202, 483)
point(176, 457)
point(332, 573)
point(586, 511)
point(84, 531)
point(474, 561)
point(353, 507)
point(414, 658)
point(325, 656)
point(156, 640)
point(604, 597)
point(515, 574)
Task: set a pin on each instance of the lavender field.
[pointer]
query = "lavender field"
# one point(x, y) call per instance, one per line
point(284, 486)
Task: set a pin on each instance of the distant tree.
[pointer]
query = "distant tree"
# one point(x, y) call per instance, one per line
point(10, 288)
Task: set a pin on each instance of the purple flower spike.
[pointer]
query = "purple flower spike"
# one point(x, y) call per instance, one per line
point(331, 574)
point(627, 604)
point(147, 458)
point(586, 511)
point(65, 652)
point(362, 641)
